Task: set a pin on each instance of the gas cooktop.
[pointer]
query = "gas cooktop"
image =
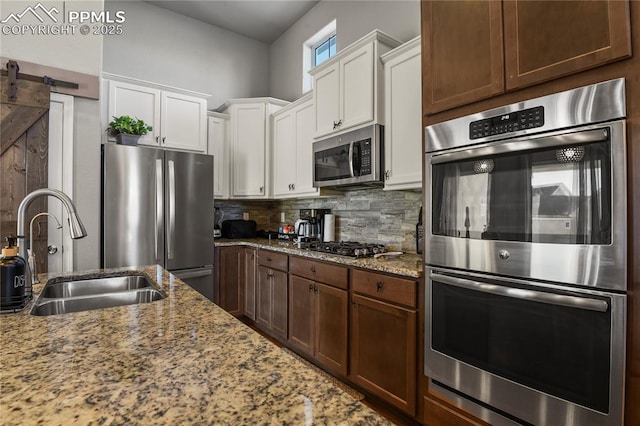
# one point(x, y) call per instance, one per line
point(347, 248)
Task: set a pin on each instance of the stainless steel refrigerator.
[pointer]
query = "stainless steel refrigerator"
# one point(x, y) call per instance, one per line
point(157, 208)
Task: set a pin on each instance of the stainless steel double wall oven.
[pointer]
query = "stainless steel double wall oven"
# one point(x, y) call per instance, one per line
point(526, 259)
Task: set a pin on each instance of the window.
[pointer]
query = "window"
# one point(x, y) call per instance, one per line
point(324, 50)
point(317, 49)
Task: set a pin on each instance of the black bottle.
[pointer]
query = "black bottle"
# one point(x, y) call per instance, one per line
point(12, 279)
point(419, 233)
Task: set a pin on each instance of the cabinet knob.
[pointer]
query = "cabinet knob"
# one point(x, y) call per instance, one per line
point(337, 124)
point(315, 288)
point(313, 269)
point(387, 173)
point(158, 139)
point(310, 287)
point(261, 188)
point(289, 187)
point(164, 139)
point(268, 259)
point(379, 286)
point(293, 186)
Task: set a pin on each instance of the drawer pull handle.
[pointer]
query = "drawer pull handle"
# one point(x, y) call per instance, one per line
point(379, 286)
point(313, 269)
point(268, 259)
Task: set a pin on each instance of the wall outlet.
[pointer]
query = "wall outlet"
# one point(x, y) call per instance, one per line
point(245, 216)
point(282, 217)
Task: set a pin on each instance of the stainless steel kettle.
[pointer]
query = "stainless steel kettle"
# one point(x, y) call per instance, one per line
point(303, 228)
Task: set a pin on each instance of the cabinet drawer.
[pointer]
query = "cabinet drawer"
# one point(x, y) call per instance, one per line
point(385, 287)
point(273, 260)
point(337, 276)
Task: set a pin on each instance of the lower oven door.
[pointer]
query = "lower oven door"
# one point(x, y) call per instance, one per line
point(544, 354)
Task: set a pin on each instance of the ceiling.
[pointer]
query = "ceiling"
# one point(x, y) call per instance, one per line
point(262, 20)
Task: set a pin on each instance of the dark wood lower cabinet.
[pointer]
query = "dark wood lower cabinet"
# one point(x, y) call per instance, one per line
point(302, 323)
point(271, 309)
point(331, 327)
point(263, 298)
point(280, 314)
point(231, 277)
point(250, 283)
point(383, 350)
point(318, 322)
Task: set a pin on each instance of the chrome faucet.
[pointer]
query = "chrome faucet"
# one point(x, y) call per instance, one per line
point(76, 228)
point(31, 250)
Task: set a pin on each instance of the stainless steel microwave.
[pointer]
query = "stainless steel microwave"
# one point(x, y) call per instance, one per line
point(349, 160)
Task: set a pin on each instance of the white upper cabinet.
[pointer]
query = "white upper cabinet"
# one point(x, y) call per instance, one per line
point(403, 117)
point(348, 88)
point(292, 150)
point(326, 85)
point(284, 153)
point(251, 146)
point(357, 87)
point(183, 122)
point(142, 103)
point(218, 146)
point(179, 120)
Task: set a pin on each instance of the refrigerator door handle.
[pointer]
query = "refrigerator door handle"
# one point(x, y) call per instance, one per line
point(172, 208)
point(159, 203)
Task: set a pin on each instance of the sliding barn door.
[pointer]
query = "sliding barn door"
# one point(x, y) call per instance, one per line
point(23, 159)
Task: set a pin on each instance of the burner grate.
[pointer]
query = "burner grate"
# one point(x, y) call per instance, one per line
point(348, 248)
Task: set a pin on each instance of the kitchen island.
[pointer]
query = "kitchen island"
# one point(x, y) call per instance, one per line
point(180, 360)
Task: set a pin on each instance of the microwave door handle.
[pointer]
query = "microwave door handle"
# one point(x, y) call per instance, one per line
point(351, 158)
point(518, 293)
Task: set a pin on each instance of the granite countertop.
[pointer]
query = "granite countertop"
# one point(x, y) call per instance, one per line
point(407, 264)
point(181, 360)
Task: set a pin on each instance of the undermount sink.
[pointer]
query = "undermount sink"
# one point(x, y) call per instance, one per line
point(60, 296)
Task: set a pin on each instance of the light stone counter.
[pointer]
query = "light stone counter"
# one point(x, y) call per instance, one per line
point(407, 264)
point(178, 361)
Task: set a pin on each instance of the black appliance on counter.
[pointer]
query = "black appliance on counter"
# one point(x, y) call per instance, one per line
point(239, 228)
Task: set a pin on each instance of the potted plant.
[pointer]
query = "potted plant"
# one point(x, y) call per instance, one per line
point(127, 130)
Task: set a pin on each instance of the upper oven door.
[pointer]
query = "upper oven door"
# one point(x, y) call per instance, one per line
point(550, 207)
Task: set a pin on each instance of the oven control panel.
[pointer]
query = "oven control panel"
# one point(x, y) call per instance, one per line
point(507, 123)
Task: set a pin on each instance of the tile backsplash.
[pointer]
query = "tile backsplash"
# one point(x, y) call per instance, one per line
point(368, 215)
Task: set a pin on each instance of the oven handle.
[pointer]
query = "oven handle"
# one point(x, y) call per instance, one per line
point(518, 293)
point(494, 148)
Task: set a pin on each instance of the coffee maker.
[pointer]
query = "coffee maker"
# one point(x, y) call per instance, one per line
point(315, 217)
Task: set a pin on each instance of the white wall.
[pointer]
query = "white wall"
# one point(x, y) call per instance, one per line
point(166, 48)
point(86, 187)
point(81, 53)
point(354, 19)
point(77, 52)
